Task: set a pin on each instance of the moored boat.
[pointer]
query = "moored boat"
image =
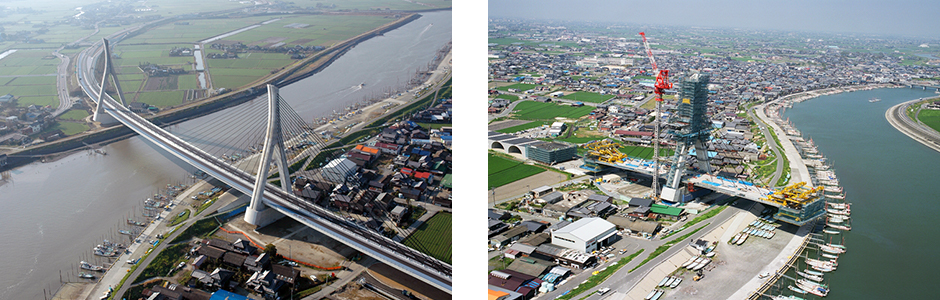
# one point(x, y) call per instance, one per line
point(796, 289)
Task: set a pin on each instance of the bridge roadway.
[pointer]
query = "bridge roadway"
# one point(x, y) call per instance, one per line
point(406, 259)
point(727, 186)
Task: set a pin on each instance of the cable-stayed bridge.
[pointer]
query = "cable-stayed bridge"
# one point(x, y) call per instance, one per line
point(284, 133)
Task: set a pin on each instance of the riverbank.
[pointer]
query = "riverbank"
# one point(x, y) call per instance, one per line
point(899, 119)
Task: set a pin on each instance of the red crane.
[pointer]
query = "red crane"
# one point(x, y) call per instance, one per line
point(662, 76)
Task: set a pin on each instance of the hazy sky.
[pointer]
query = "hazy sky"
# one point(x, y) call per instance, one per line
point(895, 17)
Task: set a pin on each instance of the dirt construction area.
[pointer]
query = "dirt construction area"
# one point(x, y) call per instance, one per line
point(522, 186)
point(293, 240)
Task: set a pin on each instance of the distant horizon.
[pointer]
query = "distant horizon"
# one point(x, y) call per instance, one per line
point(906, 18)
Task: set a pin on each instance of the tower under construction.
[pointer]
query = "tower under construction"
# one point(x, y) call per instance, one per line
point(690, 128)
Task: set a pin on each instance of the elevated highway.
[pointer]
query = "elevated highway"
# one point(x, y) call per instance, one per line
point(406, 259)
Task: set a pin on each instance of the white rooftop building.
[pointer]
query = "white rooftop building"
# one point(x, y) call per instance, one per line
point(338, 169)
point(585, 235)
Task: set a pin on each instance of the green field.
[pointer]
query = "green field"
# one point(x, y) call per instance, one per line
point(522, 127)
point(160, 99)
point(75, 115)
point(520, 86)
point(548, 111)
point(433, 237)
point(644, 152)
point(69, 128)
point(503, 171)
point(509, 97)
point(587, 97)
point(322, 30)
point(930, 118)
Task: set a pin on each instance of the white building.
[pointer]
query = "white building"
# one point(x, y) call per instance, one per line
point(586, 234)
point(338, 169)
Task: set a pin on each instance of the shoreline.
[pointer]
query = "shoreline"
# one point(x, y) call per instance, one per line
point(898, 118)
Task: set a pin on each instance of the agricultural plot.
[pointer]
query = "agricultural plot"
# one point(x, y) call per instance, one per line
point(548, 111)
point(159, 99)
point(587, 97)
point(522, 127)
point(518, 86)
point(195, 31)
point(378, 4)
point(317, 30)
point(433, 237)
point(503, 171)
point(509, 97)
point(74, 115)
point(38, 90)
point(69, 128)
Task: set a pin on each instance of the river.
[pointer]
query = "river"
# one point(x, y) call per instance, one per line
point(885, 175)
point(56, 212)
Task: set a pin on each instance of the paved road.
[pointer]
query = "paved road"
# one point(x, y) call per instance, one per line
point(624, 280)
point(773, 146)
point(62, 82)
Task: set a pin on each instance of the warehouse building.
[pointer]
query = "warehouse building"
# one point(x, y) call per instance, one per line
point(585, 235)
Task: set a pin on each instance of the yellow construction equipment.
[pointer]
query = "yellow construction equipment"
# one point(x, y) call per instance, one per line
point(605, 151)
point(795, 195)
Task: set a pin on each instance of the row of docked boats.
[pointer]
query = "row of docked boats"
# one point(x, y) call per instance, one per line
point(108, 249)
point(670, 282)
point(696, 263)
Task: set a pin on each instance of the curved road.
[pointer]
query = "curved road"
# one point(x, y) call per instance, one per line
point(897, 117)
point(773, 146)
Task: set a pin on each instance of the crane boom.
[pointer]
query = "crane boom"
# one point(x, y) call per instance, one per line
point(662, 76)
point(649, 53)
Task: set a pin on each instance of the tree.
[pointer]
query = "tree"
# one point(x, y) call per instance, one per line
point(271, 250)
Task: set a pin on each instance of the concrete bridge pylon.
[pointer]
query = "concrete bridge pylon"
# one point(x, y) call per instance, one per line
point(257, 213)
point(101, 116)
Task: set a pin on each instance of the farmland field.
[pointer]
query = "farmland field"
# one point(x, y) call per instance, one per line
point(519, 86)
point(160, 99)
point(503, 171)
point(522, 127)
point(433, 237)
point(548, 111)
point(587, 97)
point(509, 97)
point(75, 115)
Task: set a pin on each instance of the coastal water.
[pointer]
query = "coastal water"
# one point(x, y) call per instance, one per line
point(889, 179)
point(54, 213)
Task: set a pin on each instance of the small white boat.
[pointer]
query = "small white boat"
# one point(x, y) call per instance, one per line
point(689, 262)
point(811, 272)
point(670, 281)
point(831, 231)
point(840, 227)
point(743, 238)
point(702, 264)
point(830, 256)
point(663, 282)
point(815, 278)
point(796, 289)
point(830, 249)
point(650, 295)
point(675, 283)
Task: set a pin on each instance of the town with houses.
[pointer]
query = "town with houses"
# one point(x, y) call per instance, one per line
point(560, 92)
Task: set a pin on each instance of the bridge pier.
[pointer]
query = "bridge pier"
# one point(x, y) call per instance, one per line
point(101, 115)
point(256, 213)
